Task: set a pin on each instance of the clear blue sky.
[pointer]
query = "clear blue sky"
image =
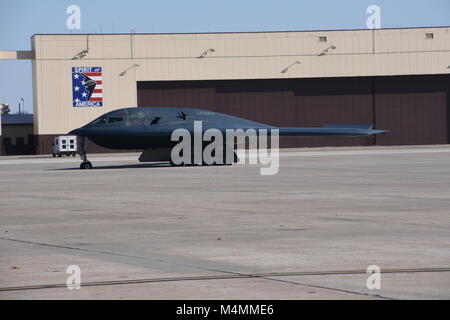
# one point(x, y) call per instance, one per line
point(20, 19)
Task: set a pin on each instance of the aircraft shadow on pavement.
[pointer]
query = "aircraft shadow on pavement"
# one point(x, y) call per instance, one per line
point(124, 166)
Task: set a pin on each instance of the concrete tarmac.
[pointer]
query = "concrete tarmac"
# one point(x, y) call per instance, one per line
point(151, 231)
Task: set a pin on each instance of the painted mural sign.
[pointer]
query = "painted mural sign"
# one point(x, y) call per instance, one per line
point(87, 86)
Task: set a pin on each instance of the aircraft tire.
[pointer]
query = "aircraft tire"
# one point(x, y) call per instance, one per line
point(86, 165)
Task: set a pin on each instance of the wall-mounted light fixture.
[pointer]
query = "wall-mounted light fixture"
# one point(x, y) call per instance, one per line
point(206, 52)
point(289, 66)
point(324, 52)
point(81, 55)
point(123, 73)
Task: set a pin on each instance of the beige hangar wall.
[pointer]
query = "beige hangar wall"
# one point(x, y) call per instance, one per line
point(258, 55)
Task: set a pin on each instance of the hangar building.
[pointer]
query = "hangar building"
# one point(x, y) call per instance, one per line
point(16, 134)
point(397, 79)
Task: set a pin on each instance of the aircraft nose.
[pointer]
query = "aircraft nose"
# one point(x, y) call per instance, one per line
point(77, 132)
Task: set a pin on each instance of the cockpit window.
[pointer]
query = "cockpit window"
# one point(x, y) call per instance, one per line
point(115, 119)
point(140, 116)
point(100, 120)
point(116, 116)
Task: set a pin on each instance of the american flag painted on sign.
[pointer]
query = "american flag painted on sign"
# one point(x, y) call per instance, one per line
point(87, 87)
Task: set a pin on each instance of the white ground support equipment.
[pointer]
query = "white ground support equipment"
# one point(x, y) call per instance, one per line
point(64, 146)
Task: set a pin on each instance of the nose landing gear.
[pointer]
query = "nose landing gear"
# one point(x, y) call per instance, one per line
point(86, 164)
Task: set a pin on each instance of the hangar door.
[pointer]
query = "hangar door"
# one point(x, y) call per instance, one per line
point(414, 108)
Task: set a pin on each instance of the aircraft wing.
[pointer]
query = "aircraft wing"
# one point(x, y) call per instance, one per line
point(327, 130)
point(344, 130)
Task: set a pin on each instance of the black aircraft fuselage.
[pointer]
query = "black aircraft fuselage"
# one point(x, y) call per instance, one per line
point(151, 128)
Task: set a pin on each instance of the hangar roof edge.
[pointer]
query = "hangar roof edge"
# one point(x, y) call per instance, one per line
point(26, 118)
point(236, 32)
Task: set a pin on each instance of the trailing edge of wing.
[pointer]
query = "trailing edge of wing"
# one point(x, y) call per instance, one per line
point(332, 130)
point(349, 126)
